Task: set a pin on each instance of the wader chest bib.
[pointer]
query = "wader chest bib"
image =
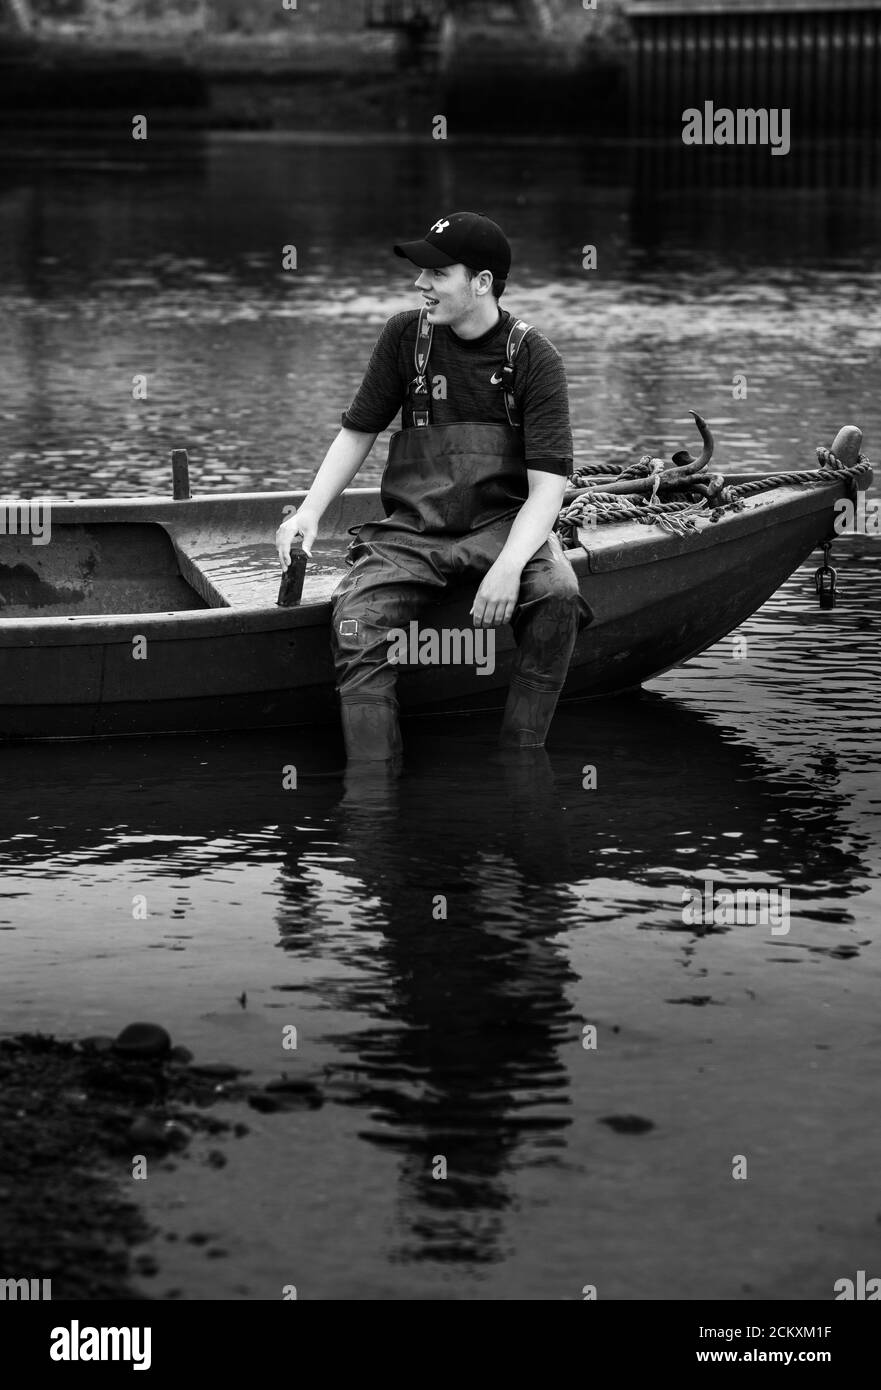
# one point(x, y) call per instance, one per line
point(452, 479)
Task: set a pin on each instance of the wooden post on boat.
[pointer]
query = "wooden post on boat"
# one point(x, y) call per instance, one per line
point(180, 475)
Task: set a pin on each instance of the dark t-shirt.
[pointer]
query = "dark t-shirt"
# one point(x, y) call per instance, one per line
point(465, 391)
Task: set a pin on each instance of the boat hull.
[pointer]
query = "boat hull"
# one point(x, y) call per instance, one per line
point(223, 663)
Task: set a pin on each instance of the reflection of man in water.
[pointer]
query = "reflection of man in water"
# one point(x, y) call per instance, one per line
point(471, 490)
point(464, 1000)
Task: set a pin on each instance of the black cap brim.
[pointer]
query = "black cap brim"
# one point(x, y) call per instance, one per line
point(423, 254)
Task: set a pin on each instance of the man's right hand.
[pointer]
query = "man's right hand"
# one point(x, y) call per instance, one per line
point(303, 523)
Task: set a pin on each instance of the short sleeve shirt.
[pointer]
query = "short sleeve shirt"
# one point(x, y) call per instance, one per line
point(460, 373)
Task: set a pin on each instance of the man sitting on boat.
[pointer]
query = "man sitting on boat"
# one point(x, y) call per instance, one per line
point(473, 485)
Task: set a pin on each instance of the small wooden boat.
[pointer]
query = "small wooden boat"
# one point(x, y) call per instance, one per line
point(158, 615)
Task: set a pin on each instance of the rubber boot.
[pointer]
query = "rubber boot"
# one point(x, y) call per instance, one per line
point(528, 715)
point(370, 731)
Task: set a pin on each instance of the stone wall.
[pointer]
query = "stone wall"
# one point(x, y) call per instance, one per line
point(165, 18)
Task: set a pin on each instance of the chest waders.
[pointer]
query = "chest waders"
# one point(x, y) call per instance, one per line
point(450, 494)
point(450, 479)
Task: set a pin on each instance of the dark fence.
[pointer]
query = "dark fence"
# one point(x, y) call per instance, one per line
point(821, 62)
point(401, 14)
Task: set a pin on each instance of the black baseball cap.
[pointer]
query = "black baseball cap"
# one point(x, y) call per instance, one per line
point(462, 238)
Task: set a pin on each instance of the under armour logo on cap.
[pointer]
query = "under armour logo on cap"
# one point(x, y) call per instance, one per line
point(463, 238)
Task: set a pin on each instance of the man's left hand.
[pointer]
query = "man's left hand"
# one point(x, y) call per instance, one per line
point(497, 596)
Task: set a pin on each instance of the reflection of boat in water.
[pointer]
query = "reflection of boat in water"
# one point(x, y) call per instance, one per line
point(673, 771)
point(160, 616)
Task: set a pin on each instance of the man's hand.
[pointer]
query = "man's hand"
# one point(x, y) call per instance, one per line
point(303, 523)
point(497, 596)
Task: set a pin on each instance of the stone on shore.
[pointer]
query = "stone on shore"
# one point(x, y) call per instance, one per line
point(143, 1040)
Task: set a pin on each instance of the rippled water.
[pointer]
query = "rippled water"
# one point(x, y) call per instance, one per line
point(170, 265)
point(461, 1036)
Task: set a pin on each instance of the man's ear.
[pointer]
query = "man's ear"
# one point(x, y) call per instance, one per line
point(484, 282)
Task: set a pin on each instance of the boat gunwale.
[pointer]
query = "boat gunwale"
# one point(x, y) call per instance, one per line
point(164, 508)
point(612, 547)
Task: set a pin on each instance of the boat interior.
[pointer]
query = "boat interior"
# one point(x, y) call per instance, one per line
point(107, 558)
point(107, 567)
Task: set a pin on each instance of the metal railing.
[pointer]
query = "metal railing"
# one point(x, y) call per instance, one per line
point(822, 62)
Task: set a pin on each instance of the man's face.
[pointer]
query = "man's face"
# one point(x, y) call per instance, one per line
point(448, 292)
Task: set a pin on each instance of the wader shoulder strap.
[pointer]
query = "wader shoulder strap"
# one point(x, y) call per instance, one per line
point(518, 332)
point(418, 394)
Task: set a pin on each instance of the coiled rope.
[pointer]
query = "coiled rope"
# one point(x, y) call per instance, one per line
point(679, 515)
